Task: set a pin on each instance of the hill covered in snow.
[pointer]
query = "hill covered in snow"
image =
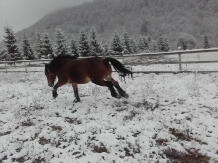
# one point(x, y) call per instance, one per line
point(174, 18)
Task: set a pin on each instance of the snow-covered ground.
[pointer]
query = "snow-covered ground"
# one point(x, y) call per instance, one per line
point(167, 117)
point(209, 56)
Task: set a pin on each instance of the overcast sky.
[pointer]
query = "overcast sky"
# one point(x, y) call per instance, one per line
point(21, 14)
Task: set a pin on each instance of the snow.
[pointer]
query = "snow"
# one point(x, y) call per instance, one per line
point(103, 129)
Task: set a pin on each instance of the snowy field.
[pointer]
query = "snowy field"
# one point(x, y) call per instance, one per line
point(209, 56)
point(167, 118)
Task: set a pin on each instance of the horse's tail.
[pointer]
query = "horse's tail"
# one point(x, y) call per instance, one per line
point(119, 67)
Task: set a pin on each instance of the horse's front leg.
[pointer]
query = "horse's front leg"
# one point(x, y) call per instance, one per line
point(57, 85)
point(75, 89)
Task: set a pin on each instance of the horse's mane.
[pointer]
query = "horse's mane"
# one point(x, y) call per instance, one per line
point(56, 59)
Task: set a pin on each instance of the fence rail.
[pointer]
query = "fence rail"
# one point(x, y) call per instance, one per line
point(173, 62)
point(178, 53)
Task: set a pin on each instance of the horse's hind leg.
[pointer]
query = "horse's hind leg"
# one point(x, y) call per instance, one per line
point(75, 89)
point(119, 89)
point(112, 90)
point(108, 84)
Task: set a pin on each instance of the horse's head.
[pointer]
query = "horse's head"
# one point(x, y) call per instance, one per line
point(50, 75)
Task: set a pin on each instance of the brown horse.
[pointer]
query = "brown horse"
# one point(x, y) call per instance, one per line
point(75, 71)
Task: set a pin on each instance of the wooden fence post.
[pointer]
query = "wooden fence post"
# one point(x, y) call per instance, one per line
point(6, 67)
point(180, 65)
point(25, 66)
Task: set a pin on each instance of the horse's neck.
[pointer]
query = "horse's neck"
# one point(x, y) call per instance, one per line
point(58, 65)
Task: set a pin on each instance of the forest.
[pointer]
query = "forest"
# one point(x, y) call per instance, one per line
point(175, 20)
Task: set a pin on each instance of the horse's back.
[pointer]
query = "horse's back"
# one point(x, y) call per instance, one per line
point(96, 68)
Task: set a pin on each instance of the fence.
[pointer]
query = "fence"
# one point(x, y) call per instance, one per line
point(122, 57)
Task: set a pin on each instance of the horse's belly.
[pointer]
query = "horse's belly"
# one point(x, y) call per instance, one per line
point(79, 81)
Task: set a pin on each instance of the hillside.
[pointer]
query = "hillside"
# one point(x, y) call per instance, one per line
point(172, 17)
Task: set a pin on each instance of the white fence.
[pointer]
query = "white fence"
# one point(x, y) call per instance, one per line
point(25, 64)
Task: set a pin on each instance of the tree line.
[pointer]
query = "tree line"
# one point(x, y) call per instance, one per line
point(87, 45)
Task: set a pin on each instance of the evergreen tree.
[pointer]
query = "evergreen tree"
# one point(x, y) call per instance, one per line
point(3, 52)
point(154, 47)
point(143, 45)
point(116, 45)
point(95, 47)
point(38, 46)
point(150, 45)
point(10, 41)
point(28, 53)
point(206, 43)
point(162, 44)
point(126, 44)
point(105, 50)
point(133, 46)
point(74, 48)
point(100, 50)
point(47, 50)
point(84, 49)
point(144, 28)
point(166, 45)
point(61, 47)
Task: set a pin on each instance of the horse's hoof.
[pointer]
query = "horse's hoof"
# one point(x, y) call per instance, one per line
point(54, 95)
point(118, 96)
point(126, 95)
point(76, 100)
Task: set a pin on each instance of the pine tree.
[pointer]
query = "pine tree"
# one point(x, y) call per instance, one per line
point(133, 46)
point(126, 44)
point(143, 45)
point(38, 46)
point(100, 50)
point(28, 53)
point(161, 43)
point(105, 50)
point(116, 45)
point(166, 44)
point(150, 45)
point(74, 48)
point(3, 52)
point(10, 41)
point(84, 49)
point(154, 47)
point(95, 47)
point(61, 47)
point(144, 28)
point(206, 43)
point(47, 50)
